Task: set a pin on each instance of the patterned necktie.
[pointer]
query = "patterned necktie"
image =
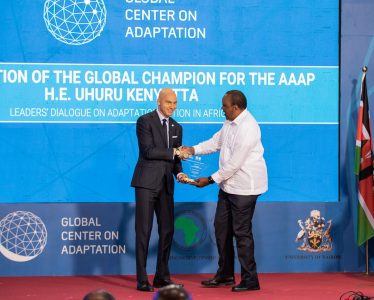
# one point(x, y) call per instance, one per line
point(165, 131)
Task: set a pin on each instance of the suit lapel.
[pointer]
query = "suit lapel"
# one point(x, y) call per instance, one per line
point(171, 132)
point(158, 125)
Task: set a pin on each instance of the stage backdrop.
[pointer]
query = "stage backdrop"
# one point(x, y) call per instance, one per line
point(76, 74)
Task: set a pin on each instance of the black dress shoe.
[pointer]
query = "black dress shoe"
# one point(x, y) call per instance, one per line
point(217, 281)
point(159, 283)
point(144, 286)
point(242, 287)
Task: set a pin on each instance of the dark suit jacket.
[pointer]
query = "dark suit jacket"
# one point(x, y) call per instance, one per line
point(155, 160)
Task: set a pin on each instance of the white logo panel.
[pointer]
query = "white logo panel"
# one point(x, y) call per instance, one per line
point(23, 236)
point(75, 22)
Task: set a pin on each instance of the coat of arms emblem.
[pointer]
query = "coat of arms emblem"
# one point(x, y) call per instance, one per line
point(315, 233)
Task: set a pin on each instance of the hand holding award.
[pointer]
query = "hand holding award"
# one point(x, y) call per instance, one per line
point(183, 178)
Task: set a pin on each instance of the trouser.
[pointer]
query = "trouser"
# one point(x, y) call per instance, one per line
point(148, 202)
point(234, 219)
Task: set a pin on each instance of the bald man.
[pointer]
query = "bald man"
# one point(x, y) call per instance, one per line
point(159, 136)
point(99, 295)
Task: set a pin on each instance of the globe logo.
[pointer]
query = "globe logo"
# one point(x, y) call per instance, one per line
point(75, 22)
point(190, 230)
point(23, 236)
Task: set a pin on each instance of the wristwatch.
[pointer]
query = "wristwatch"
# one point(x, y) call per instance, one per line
point(211, 180)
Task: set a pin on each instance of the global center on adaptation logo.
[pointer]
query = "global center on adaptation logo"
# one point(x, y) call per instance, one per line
point(23, 236)
point(75, 22)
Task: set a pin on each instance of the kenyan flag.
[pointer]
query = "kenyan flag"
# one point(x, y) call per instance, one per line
point(364, 169)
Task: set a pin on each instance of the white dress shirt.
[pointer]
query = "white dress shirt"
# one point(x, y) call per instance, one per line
point(161, 116)
point(242, 168)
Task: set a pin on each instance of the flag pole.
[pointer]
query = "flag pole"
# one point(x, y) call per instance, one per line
point(364, 70)
point(367, 258)
point(364, 164)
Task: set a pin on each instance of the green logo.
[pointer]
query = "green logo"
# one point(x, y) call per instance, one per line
point(190, 230)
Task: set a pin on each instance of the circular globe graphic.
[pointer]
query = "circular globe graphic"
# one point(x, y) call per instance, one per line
point(75, 22)
point(23, 236)
point(190, 230)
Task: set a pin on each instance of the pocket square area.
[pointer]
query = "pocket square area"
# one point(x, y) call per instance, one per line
point(174, 136)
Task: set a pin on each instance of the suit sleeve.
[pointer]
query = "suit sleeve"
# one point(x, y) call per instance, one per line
point(177, 162)
point(146, 144)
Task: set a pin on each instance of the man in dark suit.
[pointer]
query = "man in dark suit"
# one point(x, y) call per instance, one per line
point(159, 136)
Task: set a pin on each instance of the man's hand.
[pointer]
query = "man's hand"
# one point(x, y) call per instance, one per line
point(186, 152)
point(183, 178)
point(201, 182)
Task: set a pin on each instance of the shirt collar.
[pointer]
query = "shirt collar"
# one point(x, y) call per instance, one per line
point(239, 118)
point(161, 116)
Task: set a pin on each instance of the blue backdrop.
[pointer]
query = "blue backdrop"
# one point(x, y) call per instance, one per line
point(76, 75)
point(57, 148)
